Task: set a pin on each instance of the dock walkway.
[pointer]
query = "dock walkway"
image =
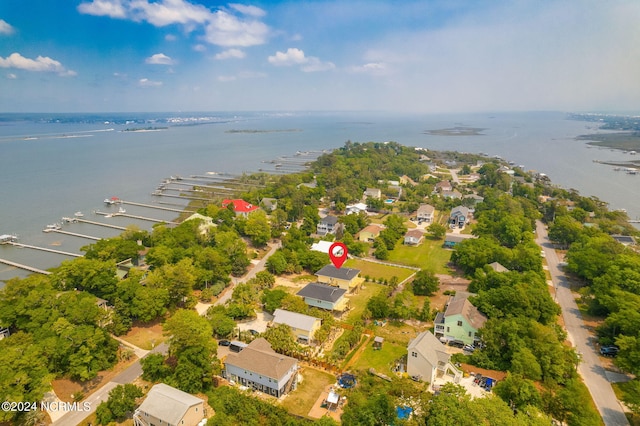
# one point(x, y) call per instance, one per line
point(45, 249)
point(25, 267)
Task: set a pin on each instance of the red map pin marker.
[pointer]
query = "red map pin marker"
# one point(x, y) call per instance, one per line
point(338, 254)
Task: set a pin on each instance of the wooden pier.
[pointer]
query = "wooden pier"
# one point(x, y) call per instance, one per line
point(65, 253)
point(197, 185)
point(150, 206)
point(25, 267)
point(75, 234)
point(184, 197)
point(150, 219)
point(91, 222)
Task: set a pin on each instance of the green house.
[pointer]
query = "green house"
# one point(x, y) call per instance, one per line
point(460, 321)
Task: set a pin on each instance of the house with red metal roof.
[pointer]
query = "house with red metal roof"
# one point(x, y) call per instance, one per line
point(240, 207)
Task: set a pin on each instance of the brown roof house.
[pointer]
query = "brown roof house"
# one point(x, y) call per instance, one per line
point(166, 405)
point(413, 237)
point(261, 368)
point(369, 233)
point(428, 360)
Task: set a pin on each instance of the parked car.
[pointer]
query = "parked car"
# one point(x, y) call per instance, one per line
point(254, 332)
point(456, 343)
point(609, 351)
point(468, 348)
point(224, 342)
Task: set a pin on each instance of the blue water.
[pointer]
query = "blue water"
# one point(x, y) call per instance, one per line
point(53, 169)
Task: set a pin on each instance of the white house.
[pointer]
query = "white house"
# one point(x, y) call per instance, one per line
point(373, 193)
point(302, 326)
point(327, 225)
point(413, 237)
point(166, 405)
point(425, 213)
point(427, 359)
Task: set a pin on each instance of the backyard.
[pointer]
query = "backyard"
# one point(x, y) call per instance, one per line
point(313, 383)
point(428, 255)
point(377, 270)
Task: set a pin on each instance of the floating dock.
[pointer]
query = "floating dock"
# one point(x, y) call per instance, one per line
point(25, 267)
point(65, 253)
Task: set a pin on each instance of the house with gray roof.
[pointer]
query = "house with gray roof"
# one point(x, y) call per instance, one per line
point(497, 266)
point(302, 326)
point(167, 405)
point(425, 213)
point(451, 240)
point(345, 278)
point(327, 225)
point(459, 216)
point(427, 359)
point(324, 296)
point(261, 368)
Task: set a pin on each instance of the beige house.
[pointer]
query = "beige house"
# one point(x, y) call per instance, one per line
point(302, 326)
point(346, 278)
point(166, 405)
point(373, 193)
point(369, 233)
point(413, 237)
point(425, 213)
point(427, 360)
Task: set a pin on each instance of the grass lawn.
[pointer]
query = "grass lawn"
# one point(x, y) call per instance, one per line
point(428, 255)
point(380, 360)
point(359, 301)
point(376, 270)
point(301, 400)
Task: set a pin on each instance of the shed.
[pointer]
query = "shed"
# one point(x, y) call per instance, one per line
point(377, 342)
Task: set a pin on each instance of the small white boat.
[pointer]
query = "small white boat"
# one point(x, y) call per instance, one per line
point(108, 215)
point(51, 228)
point(121, 210)
point(108, 201)
point(78, 214)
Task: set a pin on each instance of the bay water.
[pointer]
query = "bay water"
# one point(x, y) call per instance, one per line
point(55, 165)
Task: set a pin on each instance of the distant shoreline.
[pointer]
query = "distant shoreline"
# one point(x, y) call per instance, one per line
point(624, 141)
point(263, 131)
point(457, 131)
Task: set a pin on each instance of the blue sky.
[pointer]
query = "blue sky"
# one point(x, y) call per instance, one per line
point(415, 56)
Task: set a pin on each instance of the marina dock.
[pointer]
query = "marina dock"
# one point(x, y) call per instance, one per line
point(91, 222)
point(74, 234)
point(184, 197)
point(25, 267)
point(150, 219)
point(44, 249)
point(150, 206)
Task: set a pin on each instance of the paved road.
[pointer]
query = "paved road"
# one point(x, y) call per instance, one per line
point(590, 368)
point(132, 372)
point(246, 277)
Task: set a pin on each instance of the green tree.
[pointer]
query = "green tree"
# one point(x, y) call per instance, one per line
point(425, 283)
point(121, 403)
point(277, 263)
point(154, 368)
point(281, 339)
point(437, 230)
point(258, 228)
point(272, 299)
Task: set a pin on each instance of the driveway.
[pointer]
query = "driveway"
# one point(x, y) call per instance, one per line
point(590, 367)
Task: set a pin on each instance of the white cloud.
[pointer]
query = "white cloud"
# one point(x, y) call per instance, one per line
point(200, 48)
point(374, 68)
point(248, 10)
point(11, 76)
point(294, 56)
point(170, 37)
point(225, 29)
point(145, 82)
point(230, 54)
point(6, 28)
point(222, 27)
point(226, 78)
point(159, 59)
point(40, 64)
point(111, 8)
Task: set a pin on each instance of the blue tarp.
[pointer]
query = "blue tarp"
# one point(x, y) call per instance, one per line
point(403, 412)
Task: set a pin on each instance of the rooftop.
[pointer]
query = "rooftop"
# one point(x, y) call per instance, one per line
point(239, 206)
point(259, 358)
point(168, 403)
point(338, 273)
point(329, 219)
point(323, 292)
point(460, 305)
point(294, 319)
